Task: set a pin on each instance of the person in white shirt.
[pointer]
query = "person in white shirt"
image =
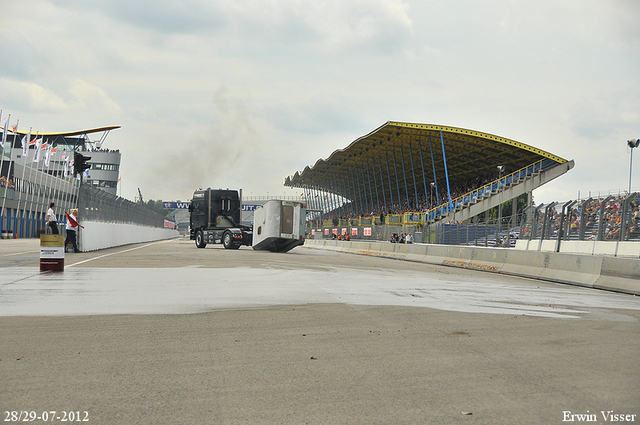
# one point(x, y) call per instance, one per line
point(72, 226)
point(52, 221)
point(409, 238)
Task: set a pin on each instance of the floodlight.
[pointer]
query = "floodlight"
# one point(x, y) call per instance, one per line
point(633, 143)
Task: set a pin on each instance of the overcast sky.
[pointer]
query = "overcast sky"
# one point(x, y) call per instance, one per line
point(242, 93)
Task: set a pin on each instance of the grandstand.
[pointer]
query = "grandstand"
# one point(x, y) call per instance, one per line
point(407, 173)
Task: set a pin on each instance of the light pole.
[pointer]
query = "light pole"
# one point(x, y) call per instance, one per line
point(432, 185)
point(499, 224)
point(633, 143)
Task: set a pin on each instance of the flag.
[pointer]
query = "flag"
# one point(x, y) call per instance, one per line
point(47, 157)
point(38, 143)
point(5, 128)
point(68, 166)
point(71, 219)
point(25, 144)
point(14, 128)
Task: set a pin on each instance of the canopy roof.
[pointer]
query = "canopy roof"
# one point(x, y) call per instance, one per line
point(71, 133)
point(416, 147)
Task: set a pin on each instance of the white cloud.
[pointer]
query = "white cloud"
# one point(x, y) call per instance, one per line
point(246, 92)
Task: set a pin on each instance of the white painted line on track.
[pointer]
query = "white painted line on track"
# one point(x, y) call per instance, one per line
point(19, 253)
point(114, 253)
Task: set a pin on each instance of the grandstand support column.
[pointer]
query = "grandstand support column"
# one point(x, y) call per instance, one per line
point(514, 213)
point(375, 180)
point(339, 196)
point(334, 198)
point(342, 196)
point(435, 177)
point(499, 223)
point(424, 174)
point(347, 191)
point(364, 188)
point(323, 200)
point(389, 176)
point(343, 190)
point(354, 199)
point(413, 171)
point(318, 201)
point(370, 191)
point(395, 166)
point(446, 173)
point(312, 199)
point(404, 173)
point(356, 191)
point(384, 196)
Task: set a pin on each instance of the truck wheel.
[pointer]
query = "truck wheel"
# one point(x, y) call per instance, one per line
point(200, 243)
point(227, 240)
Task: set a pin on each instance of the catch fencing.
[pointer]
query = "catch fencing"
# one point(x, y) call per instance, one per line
point(96, 205)
point(610, 218)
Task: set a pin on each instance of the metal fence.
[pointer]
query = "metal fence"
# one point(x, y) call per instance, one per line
point(476, 234)
point(97, 205)
point(611, 218)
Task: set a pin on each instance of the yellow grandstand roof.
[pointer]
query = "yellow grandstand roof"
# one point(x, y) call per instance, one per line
point(468, 153)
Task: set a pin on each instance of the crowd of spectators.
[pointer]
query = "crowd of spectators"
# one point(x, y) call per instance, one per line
point(612, 218)
point(396, 206)
point(6, 183)
point(104, 150)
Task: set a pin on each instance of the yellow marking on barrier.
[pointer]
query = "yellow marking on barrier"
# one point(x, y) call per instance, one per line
point(470, 265)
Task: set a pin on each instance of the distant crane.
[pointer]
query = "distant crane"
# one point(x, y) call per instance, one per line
point(140, 200)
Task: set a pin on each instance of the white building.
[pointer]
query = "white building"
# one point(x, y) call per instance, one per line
point(29, 183)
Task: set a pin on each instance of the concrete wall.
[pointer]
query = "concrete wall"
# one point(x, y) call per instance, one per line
point(594, 271)
point(98, 235)
point(613, 248)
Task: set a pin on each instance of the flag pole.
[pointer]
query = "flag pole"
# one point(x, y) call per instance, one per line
point(5, 128)
point(36, 159)
point(23, 186)
point(43, 204)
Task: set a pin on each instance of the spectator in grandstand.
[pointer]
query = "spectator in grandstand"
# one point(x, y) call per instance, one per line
point(409, 238)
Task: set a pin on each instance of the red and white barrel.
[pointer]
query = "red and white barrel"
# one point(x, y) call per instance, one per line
point(52, 253)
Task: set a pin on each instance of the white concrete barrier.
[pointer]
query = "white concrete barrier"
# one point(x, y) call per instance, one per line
point(620, 274)
point(98, 235)
point(612, 248)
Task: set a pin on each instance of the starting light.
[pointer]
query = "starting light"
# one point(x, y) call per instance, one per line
point(80, 163)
